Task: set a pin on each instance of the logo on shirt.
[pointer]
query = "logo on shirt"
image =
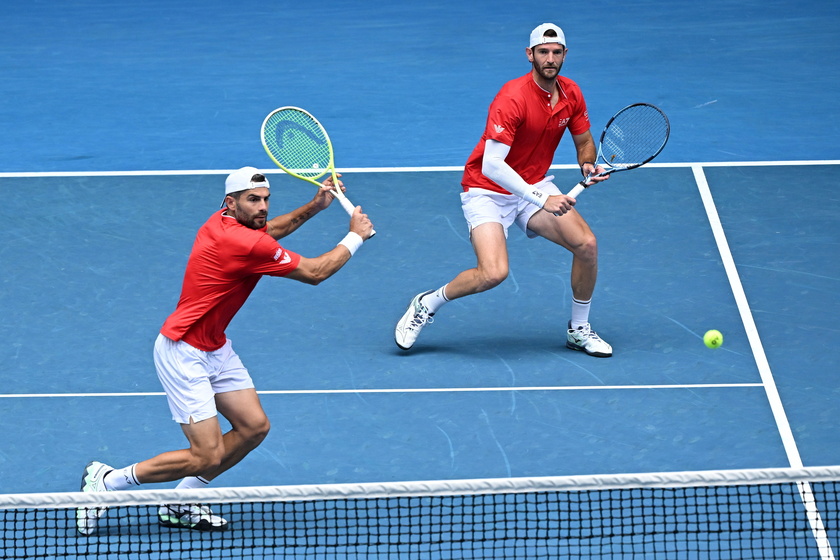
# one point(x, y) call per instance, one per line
point(498, 128)
point(563, 122)
point(282, 256)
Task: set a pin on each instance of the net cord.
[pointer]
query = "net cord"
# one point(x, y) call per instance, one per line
point(312, 492)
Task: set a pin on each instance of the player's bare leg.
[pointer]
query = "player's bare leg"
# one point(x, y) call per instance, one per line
point(249, 427)
point(572, 232)
point(491, 269)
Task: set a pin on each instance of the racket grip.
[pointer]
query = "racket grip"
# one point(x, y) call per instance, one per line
point(348, 206)
point(575, 192)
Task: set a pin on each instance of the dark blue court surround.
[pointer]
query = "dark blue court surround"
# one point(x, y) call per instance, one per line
point(185, 85)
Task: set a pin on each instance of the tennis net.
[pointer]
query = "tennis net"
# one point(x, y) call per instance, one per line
point(767, 513)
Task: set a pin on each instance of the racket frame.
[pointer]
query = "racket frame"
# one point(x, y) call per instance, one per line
point(587, 181)
point(336, 190)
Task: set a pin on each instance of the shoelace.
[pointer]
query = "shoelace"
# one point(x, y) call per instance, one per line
point(196, 509)
point(421, 317)
point(587, 332)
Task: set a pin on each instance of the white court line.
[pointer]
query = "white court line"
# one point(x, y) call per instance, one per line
point(399, 391)
point(782, 424)
point(767, 380)
point(274, 170)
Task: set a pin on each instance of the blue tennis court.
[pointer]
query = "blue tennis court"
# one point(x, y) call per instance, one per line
point(120, 123)
point(489, 391)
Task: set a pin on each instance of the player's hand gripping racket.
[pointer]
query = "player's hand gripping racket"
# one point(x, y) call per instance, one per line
point(300, 146)
point(634, 136)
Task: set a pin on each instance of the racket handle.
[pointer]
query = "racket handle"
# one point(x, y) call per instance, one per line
point(575, 192)
point(347, 205)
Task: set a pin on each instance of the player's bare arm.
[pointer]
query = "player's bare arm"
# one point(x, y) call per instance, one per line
point(281, 226)
point(586, 156)
point(315, 270)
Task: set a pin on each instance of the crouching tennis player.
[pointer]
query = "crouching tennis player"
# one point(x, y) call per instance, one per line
point(200, 372)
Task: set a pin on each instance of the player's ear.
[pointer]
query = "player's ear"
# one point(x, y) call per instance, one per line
point(529, 53)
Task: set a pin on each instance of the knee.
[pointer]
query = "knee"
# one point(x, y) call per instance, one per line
point(587, 248)
point(207, 459)
point(492, 277)
point(255, 432)
point(260, 431)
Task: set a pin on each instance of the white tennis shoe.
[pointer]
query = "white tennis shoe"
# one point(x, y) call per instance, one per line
point(93, 480)
point(191, 516)
point(586, 340)
point(412, 322)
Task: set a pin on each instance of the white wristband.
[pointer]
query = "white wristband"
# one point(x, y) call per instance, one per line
point(535, 196)
point(352, 241)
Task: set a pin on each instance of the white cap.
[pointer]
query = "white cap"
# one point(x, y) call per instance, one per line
point(538, 35)
point(242, 179)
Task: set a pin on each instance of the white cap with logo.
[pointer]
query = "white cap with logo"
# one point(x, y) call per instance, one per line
point(243, 179)
point(538, 35)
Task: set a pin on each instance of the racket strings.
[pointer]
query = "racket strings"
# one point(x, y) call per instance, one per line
point(635, 136)
point(297, 143)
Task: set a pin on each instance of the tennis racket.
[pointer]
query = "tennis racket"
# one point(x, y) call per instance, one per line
point(633, 136)
point(300, 146)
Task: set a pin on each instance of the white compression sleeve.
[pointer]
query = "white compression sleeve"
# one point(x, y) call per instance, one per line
point(496, 169)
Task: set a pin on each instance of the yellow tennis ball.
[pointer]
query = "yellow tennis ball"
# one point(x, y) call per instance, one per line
point(713, 338)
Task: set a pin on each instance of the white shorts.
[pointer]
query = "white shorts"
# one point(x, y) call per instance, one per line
point(191, 377)
point(481, 206)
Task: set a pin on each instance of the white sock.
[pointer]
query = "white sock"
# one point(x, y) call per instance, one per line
point(435, 300)
point(580, 313)
point(121, 479)
point(193, 482)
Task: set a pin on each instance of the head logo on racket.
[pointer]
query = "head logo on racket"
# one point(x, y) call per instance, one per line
point(299, 145)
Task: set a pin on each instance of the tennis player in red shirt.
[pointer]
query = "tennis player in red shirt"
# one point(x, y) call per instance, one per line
point(201, 374)
point(505, 182)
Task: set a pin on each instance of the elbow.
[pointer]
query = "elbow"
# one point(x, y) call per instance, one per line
point(488, 168)
point(311, 280)
point(314, 271)
point(316, 276)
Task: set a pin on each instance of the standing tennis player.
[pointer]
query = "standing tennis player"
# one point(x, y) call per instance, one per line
point(199, 370)
point(505, 183)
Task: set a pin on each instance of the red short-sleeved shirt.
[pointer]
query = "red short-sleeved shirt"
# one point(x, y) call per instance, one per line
point(227, 261)
point(521, 117)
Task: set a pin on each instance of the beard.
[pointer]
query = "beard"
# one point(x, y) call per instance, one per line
point(255, 221)
point(258, 222)
point(548, 72)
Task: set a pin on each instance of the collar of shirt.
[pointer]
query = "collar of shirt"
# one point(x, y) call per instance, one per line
point(543, 94)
